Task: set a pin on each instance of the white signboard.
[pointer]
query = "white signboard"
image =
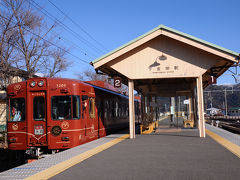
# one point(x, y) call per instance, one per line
point(186, 101)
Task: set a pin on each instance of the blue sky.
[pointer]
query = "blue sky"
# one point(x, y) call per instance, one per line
point(114, 23)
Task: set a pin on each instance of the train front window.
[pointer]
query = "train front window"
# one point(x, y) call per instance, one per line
point(39, 108)
point(17, 109)
point(61, 107)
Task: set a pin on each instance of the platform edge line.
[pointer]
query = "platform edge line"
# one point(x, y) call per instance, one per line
point(163, 118)
point(235, 149)
point(58, 168)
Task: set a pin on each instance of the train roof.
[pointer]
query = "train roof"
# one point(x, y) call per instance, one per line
point(101, 85)
point(105, 87)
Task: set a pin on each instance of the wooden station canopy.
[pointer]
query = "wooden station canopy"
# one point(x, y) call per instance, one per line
point(164, 53)
point(167, 62)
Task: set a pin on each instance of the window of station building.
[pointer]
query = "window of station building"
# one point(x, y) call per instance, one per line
point(17, 109)
point(61, 107)
point(92, 107)
point(76, 107)
point(39, 108)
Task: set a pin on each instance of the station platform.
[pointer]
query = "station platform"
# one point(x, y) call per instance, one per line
point(160, 155)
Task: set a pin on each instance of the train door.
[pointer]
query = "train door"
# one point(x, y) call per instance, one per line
point(17, 123)
point(91, 123)
point(100, 117)
point(37, 119)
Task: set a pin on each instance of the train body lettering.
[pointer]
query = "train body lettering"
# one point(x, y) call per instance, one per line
point(61, 85)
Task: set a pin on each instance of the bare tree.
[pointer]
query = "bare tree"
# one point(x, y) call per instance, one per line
point(91, 75)
point(56, 62)
point(8, 56)
point(27, 42)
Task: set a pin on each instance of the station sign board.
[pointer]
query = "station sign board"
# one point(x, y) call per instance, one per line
point(186, 101)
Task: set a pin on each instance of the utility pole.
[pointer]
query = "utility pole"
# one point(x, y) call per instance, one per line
point(172, 111)
point(225, 94)
point(179, 109)
point(211, 98)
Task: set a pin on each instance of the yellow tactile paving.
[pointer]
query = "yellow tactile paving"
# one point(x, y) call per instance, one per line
point(163, 118)
point(48, 173)
point(235, 149)
point(168, 130)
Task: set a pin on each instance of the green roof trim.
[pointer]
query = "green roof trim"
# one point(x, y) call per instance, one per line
point(173, 31)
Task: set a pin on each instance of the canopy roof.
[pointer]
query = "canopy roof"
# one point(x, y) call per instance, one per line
point(186, 56)
point(173, 31)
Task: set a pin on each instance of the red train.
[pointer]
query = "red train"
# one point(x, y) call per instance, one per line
point(52, 114)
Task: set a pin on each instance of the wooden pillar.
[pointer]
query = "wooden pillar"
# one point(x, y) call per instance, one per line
point(131, 109)
point(151, 108)
point(156, 108)
point(191, 109)
point(194, 110)
point(200, 105)
point(142, 107)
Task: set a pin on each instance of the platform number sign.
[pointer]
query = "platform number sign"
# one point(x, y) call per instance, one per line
point(117, 82)
point(212, 80)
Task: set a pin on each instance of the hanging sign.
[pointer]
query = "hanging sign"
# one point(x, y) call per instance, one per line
point(212, 80)
point(117, 82)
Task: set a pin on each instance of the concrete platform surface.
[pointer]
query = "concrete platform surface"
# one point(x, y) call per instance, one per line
point(169, 155)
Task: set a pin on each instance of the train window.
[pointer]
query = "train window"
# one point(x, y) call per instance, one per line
point(99, 108)
point(116, 109)
point(61, 107)
point(17, 109)
point(76, 107)
point(105, 109)
point(112, 109)
point(92, 107)
point(39, 108)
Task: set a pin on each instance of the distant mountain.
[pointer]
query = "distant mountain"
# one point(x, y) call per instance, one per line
point(215, 95)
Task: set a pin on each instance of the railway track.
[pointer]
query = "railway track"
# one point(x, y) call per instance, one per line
point(229, 123)
point(233, 127)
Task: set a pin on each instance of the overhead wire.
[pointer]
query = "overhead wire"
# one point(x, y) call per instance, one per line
point(49, 41)
point(76, 46)
point(82, 39)
point(80, 27)
point(83, 51)
point(46, 13)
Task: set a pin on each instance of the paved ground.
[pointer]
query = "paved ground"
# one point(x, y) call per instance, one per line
point(179, 155)
point(165, 123)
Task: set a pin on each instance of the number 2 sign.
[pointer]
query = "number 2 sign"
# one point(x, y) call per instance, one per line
point(117, 82)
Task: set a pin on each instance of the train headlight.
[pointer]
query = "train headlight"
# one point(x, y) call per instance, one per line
point(56, 130)
point(40, 83)
point(33, 84)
